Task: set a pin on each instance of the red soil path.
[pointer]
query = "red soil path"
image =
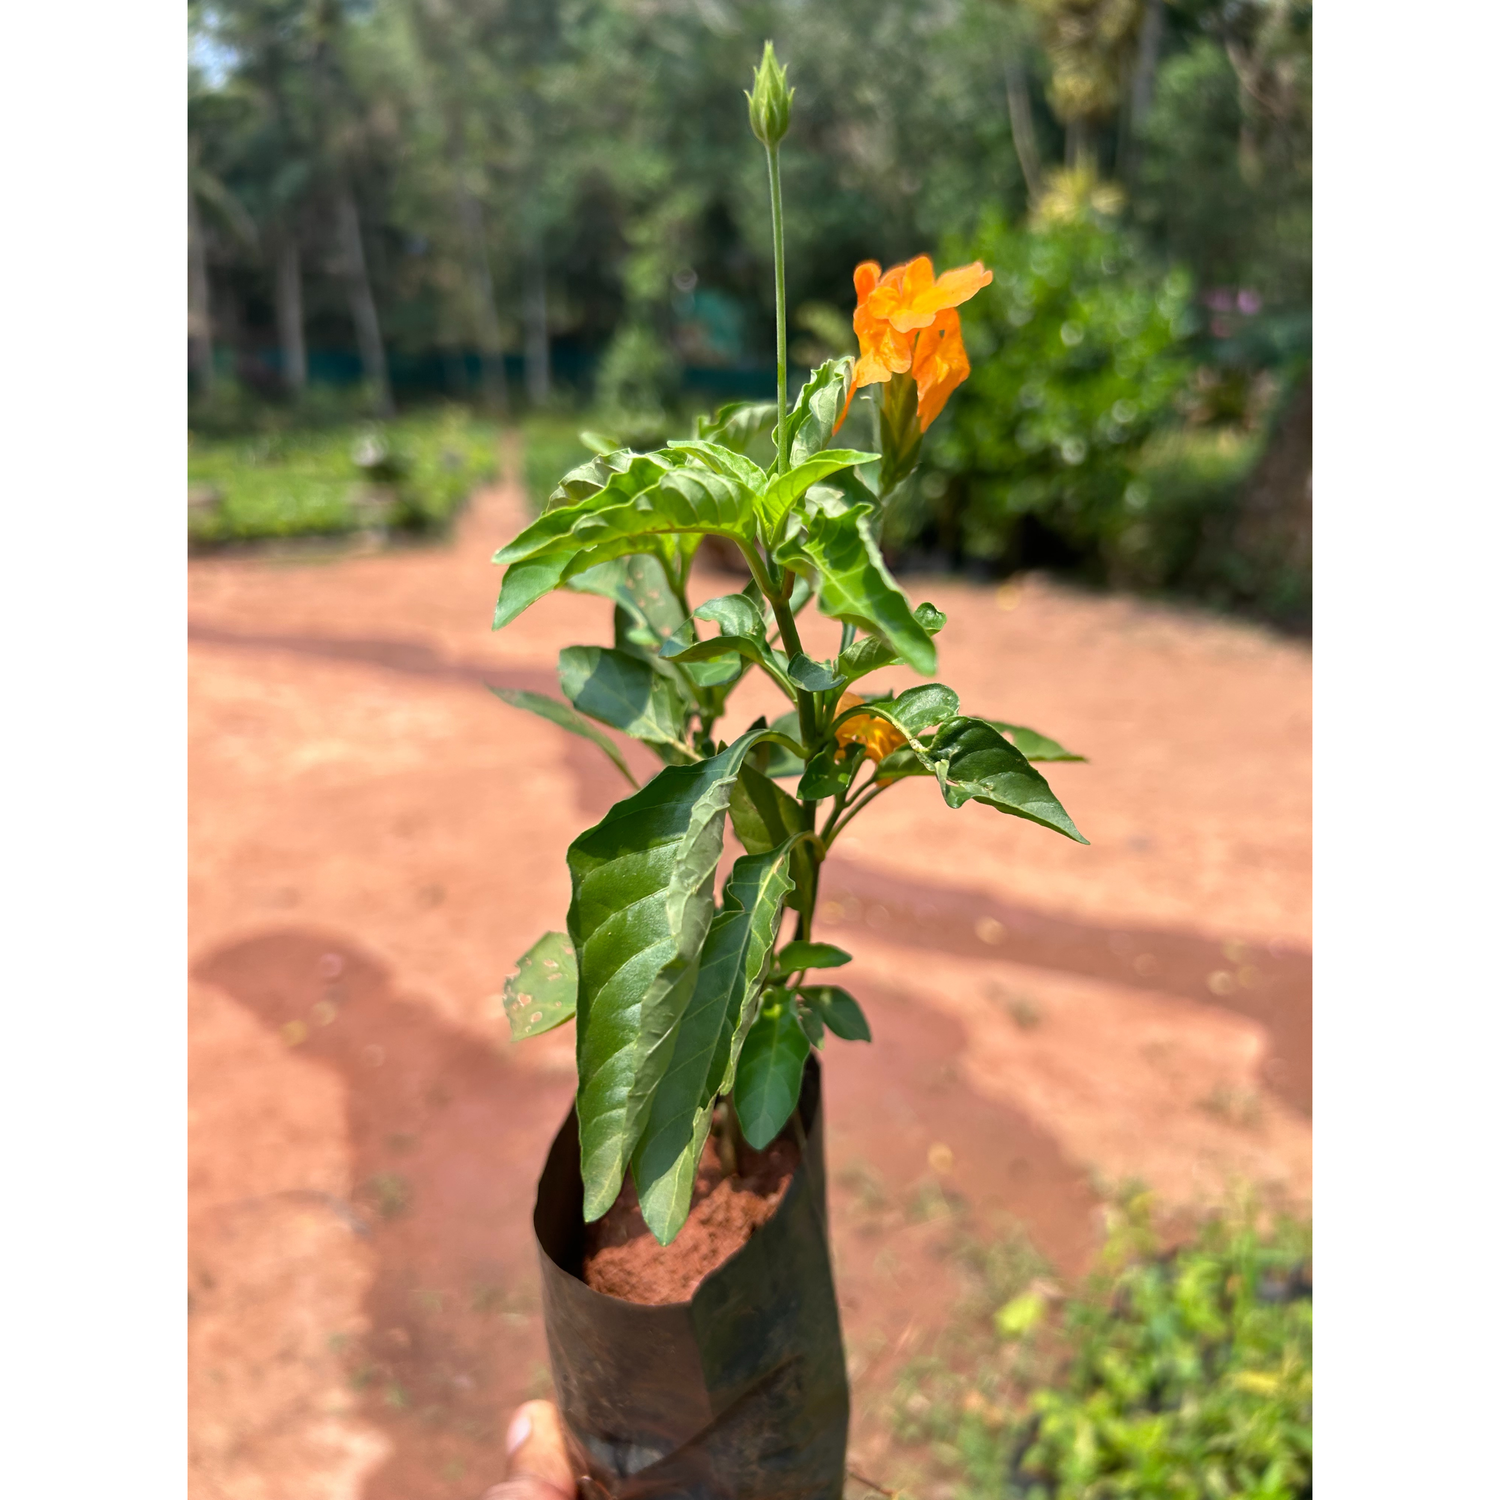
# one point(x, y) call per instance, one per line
point(375, 838)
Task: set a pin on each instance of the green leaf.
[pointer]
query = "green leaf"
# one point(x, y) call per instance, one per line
point(565, 718)
point(973, 760)
point(799, 955)
point(871, 652)
point(543, 992)
point(855, 585)
point(553, 529)
point(686, 500)
point(902, 763)
point(810, 421)
point(590, 477)
point(738, 424)
point(769, 1079)
point(838, 1010)
point(785, 490)
point(1032, 745)
point(526, 582)
point(709, 1037)
point(810, 1022)
point(829, 772)
point(638, 584)
point(920, 707)
point(812, 675)
point(622, 691)
point(725, 461)
point(765, 817)
point(642, 903)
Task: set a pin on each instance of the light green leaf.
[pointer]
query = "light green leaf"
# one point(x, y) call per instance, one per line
point(525, 582)
point(871, 652)
point(855, 585)
point(709, 1037)
point(1034, 746)
point(590, 477)
point(785, 490)
point(973, 760)
point(638, 584)
point(920, 707)
point(799, 954)
point(738, 424)
point(810, 421)
point(543, 992)
point(553, 530)
point(642, 903)
point(838, 1010)
point(622, 691)
point(565, 718)
point(724, 461)
point(769, 1079)
point(690, 500)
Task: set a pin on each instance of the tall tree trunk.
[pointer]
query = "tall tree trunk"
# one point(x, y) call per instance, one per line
point(289, 315)
point(482, 295)
point(200, 321)
point(538, 363)
point(1022, 135)
point(362, 301)
point(1142, 88)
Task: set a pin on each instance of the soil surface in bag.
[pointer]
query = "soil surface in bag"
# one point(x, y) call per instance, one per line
point(622, 1258)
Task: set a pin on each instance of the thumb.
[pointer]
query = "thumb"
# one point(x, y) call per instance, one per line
point(537, 1452)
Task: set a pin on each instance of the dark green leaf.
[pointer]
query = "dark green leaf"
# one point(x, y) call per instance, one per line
point(565, 718)
point(799, 955)
point(920, 707)
point(838, 1010)
point(811, 675)
point(810, 1021)
point(764, 816)
point(709, 1037)
point(622, 691)
point(828, 772)
point(642, 904)
point(543, 992)
point(769, 1079)
point(855, 585)
point(526, 582)
point(1034, 746)
point(902, 763)
point(638, 585)
point(973, 760)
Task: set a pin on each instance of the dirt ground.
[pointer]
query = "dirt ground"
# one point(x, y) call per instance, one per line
point(376, 838)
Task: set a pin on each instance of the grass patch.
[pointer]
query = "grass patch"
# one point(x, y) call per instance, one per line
point(410, 476)
point(1181, 1374)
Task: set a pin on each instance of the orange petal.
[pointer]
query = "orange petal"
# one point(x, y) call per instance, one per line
point(950, 289)
point(879, 341)
point(940, 364)
point(866, 275)
point(887, 296)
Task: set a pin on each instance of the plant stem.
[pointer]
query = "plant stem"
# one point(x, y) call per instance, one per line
point(773, 165)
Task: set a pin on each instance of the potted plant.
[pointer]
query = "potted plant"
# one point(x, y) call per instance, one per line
point(688, 1295)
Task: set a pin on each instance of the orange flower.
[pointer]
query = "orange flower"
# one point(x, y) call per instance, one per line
point(905, 321)
point(877, 736)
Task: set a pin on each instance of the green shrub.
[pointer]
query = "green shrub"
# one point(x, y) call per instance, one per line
point(410, 475)
point(1173, 1376)
point(1078, 351)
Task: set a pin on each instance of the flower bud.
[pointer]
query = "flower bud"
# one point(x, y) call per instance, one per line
point(771, 102)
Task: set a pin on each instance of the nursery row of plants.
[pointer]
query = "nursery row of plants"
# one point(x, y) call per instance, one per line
point(409, 476)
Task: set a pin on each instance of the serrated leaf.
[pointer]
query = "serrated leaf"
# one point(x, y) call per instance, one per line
point(854, 584)
point(811, 675)
point(871, 652)
point(783, 492)
point(706, 1050)
point(800, 954)
point(565, 718)
point(642, 903)
point(543, 992)
point(838, 1010)
point(810, 421)
point(974, 761)
point(1034, 746)
point(622, 691)
point(769, 1078)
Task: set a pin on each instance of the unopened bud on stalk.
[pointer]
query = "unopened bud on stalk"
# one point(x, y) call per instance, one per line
point(771, 101)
